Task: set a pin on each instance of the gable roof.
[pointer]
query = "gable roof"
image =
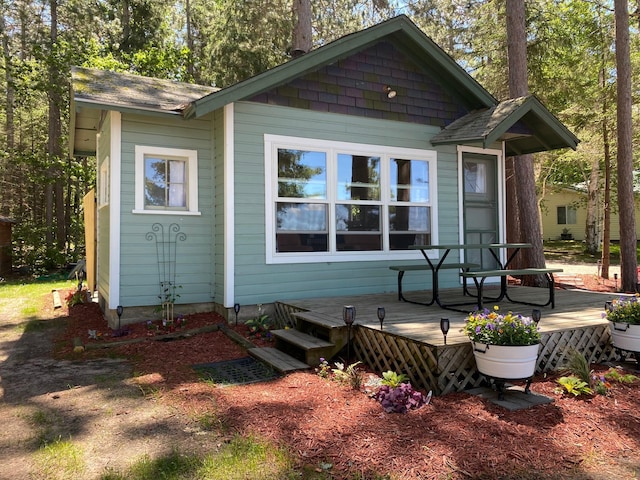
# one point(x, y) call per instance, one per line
point(95, 90)
point(523, 123)
point(399, 30)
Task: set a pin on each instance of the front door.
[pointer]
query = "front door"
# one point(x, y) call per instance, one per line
point(480, 203)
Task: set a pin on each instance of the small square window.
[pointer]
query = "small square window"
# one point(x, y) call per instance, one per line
point(166, 180)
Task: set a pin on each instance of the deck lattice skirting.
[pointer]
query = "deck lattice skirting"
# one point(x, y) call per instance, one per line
point(284, 314)
point(448, 368)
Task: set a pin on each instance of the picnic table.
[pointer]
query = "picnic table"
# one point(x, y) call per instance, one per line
point(468, 270)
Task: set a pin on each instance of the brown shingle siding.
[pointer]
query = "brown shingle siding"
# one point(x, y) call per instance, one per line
point(356, 86)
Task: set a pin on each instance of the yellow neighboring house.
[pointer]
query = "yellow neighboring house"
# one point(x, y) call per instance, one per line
point(564, 215)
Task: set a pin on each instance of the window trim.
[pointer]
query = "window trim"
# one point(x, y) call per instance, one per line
point(191, 158)
point(104, 184)
point(271, 145)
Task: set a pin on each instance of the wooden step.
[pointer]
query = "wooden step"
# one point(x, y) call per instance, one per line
point(303, 346)
point(300, 340)
point(277, 359)
point(320, 319)
point(323, 326)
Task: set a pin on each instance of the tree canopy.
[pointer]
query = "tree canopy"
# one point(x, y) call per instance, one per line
point(571, 66)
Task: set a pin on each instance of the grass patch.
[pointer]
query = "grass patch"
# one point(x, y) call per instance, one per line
point(60, 459)
point(23, 299)
point(573, 251)
point(241, 458)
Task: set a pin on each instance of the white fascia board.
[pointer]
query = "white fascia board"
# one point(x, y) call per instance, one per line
point(229, 207)
point(115, 119)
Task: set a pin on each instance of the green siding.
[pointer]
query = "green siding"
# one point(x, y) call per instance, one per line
point(257, 282)
point(218, 205)
point(139, 259)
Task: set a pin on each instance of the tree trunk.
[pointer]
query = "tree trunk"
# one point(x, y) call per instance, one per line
point(591, 226)
point(5, 166)
point(54, 146)
point(524, 174)
point(626, 203)
point(302, 32)
point(606, 201)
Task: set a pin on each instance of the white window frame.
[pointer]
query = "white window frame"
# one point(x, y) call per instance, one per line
point(274, 142)
point(191, 159)
point(104, 184)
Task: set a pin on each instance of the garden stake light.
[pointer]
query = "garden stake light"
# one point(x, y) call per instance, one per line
point(119, 311)
point(444, 326)
point(349, 316)
point(381, 314)
point(236, 308)
point(536, 315)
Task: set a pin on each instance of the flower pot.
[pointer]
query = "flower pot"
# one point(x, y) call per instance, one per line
point(625, 336)
point(504, 361)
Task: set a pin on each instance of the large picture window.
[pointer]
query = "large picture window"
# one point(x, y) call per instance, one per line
point(346, 201)
point(166, 180)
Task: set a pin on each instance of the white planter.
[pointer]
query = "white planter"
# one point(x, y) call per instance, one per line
point(507, 362)
point(625, 336)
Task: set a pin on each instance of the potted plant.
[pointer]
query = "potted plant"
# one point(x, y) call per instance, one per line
point(566, 234)
point(505, 346)
point(623, 314)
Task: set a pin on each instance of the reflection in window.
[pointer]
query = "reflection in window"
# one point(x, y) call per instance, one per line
point(409, 180)
point(302, 174)
point(409, 226)
point(358, 228)
point(301, 227)
point(475, 177)
point(339, 197)
point(358, 177)
point(164, 183)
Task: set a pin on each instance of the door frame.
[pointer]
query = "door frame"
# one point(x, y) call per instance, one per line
point(500, 187)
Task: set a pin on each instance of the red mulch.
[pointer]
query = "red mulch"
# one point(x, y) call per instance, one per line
point(322, 422)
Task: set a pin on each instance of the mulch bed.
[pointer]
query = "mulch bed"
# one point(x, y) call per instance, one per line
point(329, 426)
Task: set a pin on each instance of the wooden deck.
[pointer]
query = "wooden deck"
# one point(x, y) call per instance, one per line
point(411, 342)
point(574, 308)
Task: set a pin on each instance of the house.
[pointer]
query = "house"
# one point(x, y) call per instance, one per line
point(564, 215)
point(308, 180)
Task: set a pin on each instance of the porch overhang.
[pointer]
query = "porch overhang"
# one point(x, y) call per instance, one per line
point(523, 124)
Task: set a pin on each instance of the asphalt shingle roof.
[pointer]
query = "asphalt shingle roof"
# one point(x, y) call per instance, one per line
point(134, 91)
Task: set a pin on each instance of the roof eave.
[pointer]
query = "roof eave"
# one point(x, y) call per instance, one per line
point(83, 102)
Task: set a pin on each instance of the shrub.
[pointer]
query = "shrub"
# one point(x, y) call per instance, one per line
point(400, 399)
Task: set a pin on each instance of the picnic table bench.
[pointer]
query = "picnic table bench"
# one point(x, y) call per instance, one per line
point(401, 269)
point(479, 278)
